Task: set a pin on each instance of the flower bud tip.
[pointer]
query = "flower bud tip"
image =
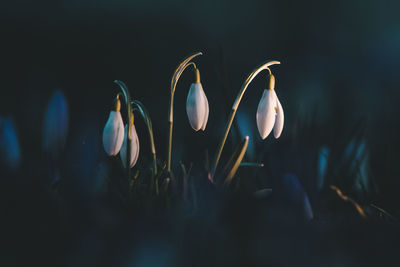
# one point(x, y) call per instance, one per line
point(196, 75)
point(117, 103)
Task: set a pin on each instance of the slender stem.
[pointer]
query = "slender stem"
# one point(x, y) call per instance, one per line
point(189, 64)
point(235, 106)
point(346, 198)
point(127, 97)
point(175, 77)
point(252, 164)
point(384, 212)
point(146, 117)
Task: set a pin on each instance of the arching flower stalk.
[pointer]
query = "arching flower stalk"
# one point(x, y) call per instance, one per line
point(113, 133)
point(196, 105)
point(146, 117)
point(235, 106)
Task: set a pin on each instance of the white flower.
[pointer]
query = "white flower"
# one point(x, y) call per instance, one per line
point(113, 133)
point(197, 107)
point(269, 114)
point(134, 143)
point(280, 117)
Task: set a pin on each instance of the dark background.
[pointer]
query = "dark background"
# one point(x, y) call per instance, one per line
point(340, 68)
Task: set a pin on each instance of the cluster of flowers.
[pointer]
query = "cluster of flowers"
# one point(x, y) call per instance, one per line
point(269, 117)
point(115, 137)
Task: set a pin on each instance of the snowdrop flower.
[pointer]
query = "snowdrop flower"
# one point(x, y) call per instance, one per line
point(197, 105)
point(270, 112)
point(134, 143)
point(55, 126)
point(113, 133)
point(10, 151)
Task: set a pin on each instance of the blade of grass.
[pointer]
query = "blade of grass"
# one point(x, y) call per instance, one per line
point(234, 162)
point(346, 198)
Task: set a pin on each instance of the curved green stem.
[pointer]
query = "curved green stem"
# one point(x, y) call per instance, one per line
point(175, 77)
point(127, 98)
point(146, 117)
point(235, 106)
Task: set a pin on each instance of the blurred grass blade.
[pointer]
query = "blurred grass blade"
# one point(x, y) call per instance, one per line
point(164, 187)
point(382, 211)
point(207, 161)
point(251, 164)
point(185, 180)
point(346, 198)
point(262, 193)
point(234, 162)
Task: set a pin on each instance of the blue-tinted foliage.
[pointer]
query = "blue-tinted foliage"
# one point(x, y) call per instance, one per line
point(9, 145)
point(55, 126)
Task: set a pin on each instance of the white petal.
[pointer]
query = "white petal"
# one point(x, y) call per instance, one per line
point(278, 127)
point(307, 209)
point(134, 143)
point(113, 133)
point(266, 113)
point(135, 146)
point(195, 107)
point(207, 110)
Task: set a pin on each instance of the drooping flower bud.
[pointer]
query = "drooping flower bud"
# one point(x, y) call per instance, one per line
point(197, 107)
point(113, 133)
point(266, 113)
point(270, 112)
point(134, 145)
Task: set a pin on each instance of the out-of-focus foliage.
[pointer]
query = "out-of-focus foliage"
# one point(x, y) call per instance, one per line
point(338, 83)
point(55, 124)
point(10, 151)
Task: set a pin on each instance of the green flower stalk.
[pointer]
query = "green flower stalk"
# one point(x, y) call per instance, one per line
point(146, 117)
point(131, 132)
point(175, 78)
point(235, 106)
